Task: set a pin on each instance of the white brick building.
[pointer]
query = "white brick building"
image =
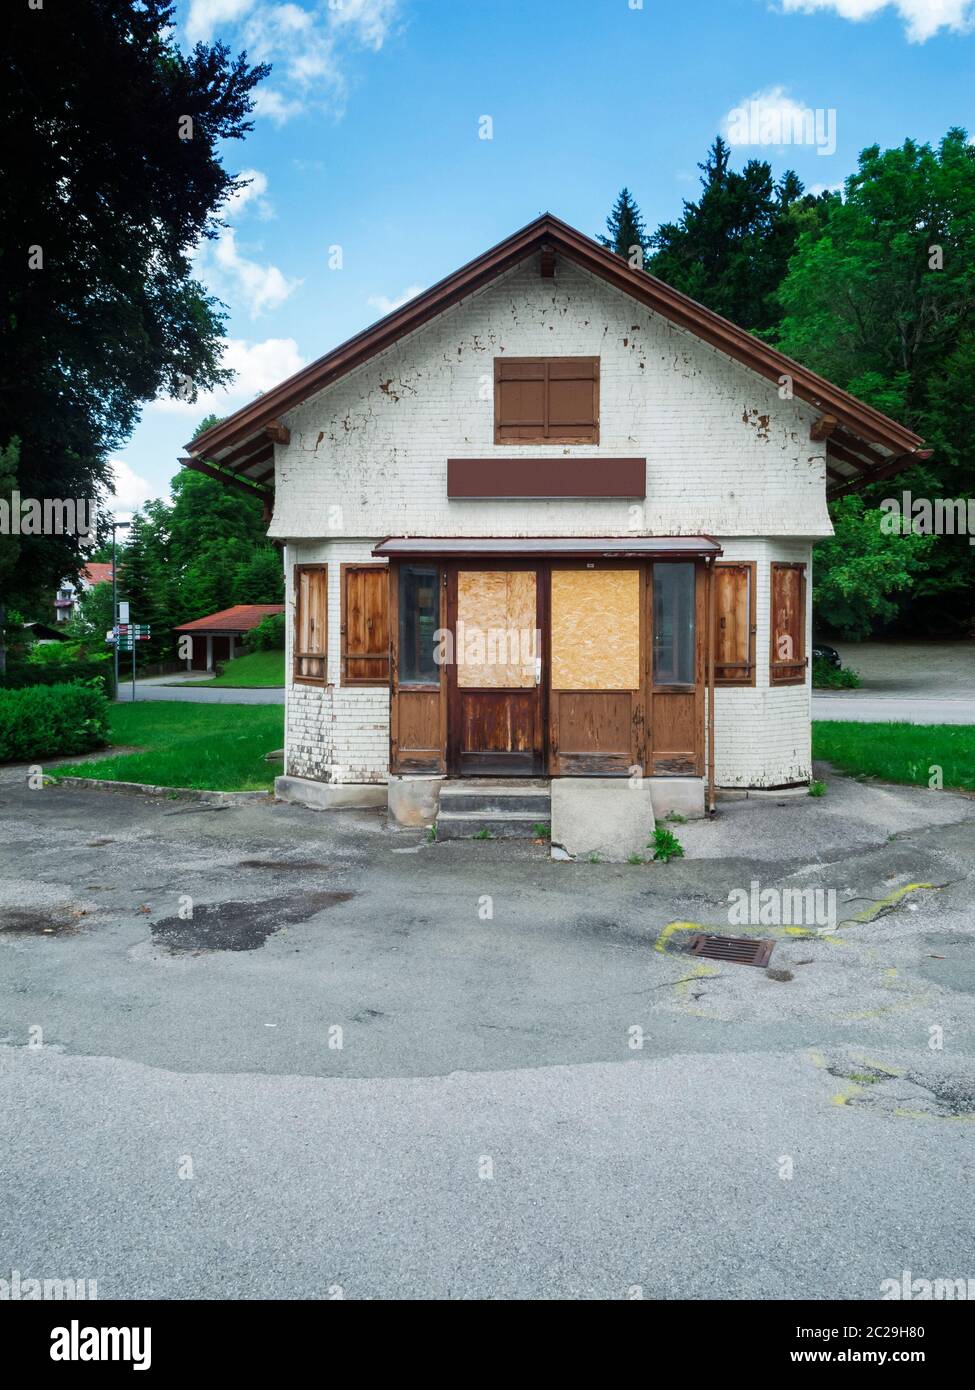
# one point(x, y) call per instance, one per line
point(550, 442)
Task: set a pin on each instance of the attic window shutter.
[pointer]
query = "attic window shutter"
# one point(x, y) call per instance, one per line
point(734, 596)
point(311, 623)
point(546, 400)
point(787, 659)
point(365, 624)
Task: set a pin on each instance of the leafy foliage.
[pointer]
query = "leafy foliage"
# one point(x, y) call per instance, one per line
point(44, 721)
point(269, 635)
point(104, 201)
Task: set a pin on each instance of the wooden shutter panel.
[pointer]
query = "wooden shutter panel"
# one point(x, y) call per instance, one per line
point(734, 597)
point(546, 400)
point(365, 625)
point(311, 623)
point(787, 660)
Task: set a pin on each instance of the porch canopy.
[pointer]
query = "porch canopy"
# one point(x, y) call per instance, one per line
point(547, 547)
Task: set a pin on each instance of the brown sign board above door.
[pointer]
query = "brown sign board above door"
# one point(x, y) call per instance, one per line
point(472, 479)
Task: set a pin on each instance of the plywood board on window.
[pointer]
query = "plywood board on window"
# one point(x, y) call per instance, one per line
point(496, 640)
point(595, 629)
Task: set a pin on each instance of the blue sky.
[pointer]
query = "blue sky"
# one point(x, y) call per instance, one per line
point(367, 140)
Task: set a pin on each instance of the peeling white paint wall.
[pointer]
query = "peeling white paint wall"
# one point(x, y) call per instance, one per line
point(725, 456)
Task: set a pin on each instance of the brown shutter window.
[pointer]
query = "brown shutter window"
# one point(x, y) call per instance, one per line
point(365, 625)
point(734, 597)
point(546, 400)
point(787, 658)
point(311, 624)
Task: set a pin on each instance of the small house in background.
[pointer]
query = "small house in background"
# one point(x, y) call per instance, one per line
point(69, 594)
point(216, 638)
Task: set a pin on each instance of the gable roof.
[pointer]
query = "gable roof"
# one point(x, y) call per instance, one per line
point(97, 572)
point(862, 444)
point(241, 618)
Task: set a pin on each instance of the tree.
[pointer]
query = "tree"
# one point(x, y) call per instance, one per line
point(10, 544)
point(112, 174)
point(731, 248)
point(626, 234)
point(881, 299)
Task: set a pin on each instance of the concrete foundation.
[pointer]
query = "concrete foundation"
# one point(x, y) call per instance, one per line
point(685, 795)
point(330, 796)
point(603, 816)
point(414, 801)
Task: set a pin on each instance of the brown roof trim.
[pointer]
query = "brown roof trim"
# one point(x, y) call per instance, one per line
point(858, 418)
point(555, 547)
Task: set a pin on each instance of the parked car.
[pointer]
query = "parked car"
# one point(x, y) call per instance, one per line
point(823, 652)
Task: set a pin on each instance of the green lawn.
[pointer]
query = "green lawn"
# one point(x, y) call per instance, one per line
point(900, 752)
point(258, 669)
point(215, 747)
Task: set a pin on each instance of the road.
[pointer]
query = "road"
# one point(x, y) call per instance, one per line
point(176, 687)
point(185, 1124)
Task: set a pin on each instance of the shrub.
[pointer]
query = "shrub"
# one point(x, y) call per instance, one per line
point(44, 721)
point(267, 636)
point(24, 673)
point(827, 677)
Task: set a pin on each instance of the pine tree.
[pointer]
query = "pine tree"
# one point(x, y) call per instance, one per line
point(626, 234)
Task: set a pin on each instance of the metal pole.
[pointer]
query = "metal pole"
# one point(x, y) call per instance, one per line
point(133, 667)
point(712, 614)
point(115, 608)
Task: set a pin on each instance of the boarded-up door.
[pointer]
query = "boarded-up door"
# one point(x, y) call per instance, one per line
point(596, 671)
point(494, 706)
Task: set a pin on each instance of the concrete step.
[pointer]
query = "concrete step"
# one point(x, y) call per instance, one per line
point(497, 799)
point(473, 825)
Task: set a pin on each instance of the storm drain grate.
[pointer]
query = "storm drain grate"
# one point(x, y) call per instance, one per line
point(737, 950)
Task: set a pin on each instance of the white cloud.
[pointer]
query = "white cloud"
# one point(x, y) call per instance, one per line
point(370, 20)
point(262, 287)
point(386, 306)
point(308, 47)
point(258, 367)
point(773, 118)
point(253, 193)
point(205, 15)
point(131, 490)
point(922, 18)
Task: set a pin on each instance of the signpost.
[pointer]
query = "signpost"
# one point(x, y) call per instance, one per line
point(126, 635)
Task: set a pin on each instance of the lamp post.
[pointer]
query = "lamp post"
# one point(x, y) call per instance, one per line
point(116, 526)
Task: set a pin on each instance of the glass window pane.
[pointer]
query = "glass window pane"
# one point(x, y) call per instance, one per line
point(673, 624)
point(419, 618)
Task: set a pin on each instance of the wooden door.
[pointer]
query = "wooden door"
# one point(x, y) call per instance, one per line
point(597, 670)
point(495, 700)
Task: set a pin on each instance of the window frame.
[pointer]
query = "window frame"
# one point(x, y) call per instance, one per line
point(747, 681)
point(361, 682)
point(297, 655)
point(673, 687)
point(591, 435)
point(403, 569)
point(802, 657)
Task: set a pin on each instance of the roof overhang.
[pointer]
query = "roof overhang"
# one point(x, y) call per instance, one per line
point(546, 547)
point(862, 445)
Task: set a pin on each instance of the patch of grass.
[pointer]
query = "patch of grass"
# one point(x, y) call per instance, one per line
point(827, 677)
point(256, 671)
point(666, 845)
point(541, 832)
point(817, 788)
point(634, 859)
point(484, 834)
point(208, 747)
point(432, 832)
point(675, 818)
point(909, 753)
point(594, 859)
